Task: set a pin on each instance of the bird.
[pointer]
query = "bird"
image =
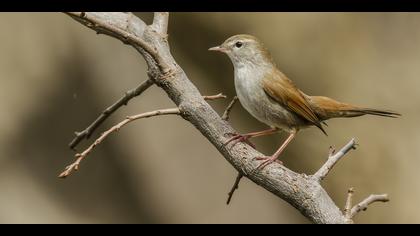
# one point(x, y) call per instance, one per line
point(273, 99)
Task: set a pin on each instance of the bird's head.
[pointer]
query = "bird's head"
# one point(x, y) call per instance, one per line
point(244, 49)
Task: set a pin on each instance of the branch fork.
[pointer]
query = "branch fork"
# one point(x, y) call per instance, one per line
point(333, 158)
point(350, 212)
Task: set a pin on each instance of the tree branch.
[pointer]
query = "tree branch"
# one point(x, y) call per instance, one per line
point(363, 205)
point(225, 117)
point(234, 187)
point(333, 158)
point(214, 97)
point(86, 133)
point(80, 156)
point(350, 212)
point(349, 203)
point(303, 192)
point(123, 26)
point(160, 22)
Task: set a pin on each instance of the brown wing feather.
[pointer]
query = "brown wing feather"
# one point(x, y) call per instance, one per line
point(282, 90)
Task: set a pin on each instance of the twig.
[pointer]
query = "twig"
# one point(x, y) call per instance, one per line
point(80, 156)
point(234, 187)
point(350, 212)
point(349, 204)
point(225, 115)
point(363, 205)
point(86, 133)
point(214, 97)
point(333, 158)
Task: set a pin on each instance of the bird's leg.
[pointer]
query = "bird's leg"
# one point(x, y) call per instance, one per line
point(271, 159)
point(245, 137)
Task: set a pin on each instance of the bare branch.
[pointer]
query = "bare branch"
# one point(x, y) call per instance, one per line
point(349, 204)
point(225, 115)
point(363, 205)
point(333, 158)
point(303, 192)
point(80, 156)
point(118, 25)
point(86, 133)
point(160, 22)
point(214, 97)
point(234, 187)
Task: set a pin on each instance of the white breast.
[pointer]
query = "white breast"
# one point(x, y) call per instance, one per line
point(253, 98)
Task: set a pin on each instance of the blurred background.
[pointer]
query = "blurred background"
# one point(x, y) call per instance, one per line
point(57, 76)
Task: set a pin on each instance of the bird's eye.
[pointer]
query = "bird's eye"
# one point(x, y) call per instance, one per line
point(238, 44)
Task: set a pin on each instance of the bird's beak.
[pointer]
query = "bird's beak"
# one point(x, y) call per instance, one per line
point(218, 49)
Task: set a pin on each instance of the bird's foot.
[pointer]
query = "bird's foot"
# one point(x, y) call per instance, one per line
point(267, 161)
point(239, 138)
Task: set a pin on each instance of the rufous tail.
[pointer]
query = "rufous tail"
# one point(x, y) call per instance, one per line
point(327, 108)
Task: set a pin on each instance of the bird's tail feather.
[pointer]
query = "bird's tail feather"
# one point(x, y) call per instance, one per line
point(327, 108)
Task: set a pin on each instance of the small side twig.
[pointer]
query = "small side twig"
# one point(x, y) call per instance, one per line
point(349, 204)
point(86, 133)
point(214, 97)
point(333, 158)
point(234, 187)
point(363, 205)
point(80, 156)
point(350, 212)
point(225, 115)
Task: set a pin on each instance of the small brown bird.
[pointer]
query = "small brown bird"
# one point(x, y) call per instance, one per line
point(272, 98)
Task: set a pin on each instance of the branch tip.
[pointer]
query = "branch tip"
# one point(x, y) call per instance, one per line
point(214, 97)
point(234, 187)
point(363, 205)
point(333, 158)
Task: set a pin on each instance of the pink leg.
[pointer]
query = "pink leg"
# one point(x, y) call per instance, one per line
point(271, 159)
point(245, 137)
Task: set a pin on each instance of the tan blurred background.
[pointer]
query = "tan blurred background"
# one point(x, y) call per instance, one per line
point(56, 76)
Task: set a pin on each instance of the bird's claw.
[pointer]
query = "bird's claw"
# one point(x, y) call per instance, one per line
point(267, 161)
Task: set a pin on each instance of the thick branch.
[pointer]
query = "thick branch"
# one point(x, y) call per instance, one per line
point(80, 156)
point(86, 133)
point(363, 205)
point(333, 159)
point(301, 191)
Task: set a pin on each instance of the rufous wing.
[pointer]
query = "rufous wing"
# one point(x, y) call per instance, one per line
point(282, 90)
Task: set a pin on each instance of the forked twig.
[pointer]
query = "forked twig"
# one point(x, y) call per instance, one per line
point(80, 156)
point(86, 133)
